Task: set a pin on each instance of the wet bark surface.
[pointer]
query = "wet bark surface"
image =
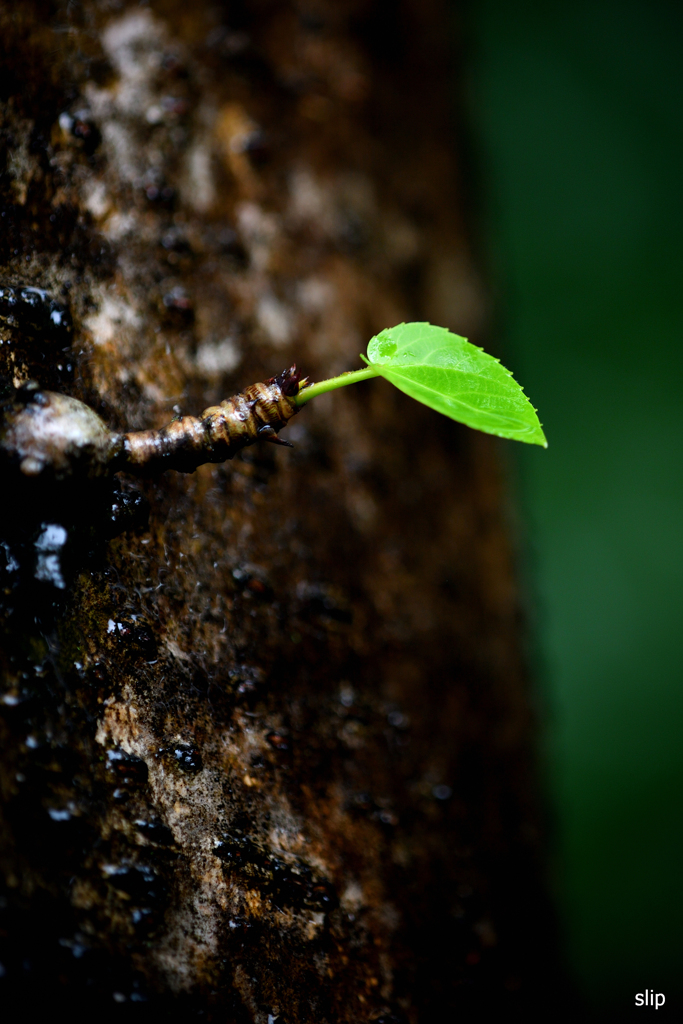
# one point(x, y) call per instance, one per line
point(264, 728)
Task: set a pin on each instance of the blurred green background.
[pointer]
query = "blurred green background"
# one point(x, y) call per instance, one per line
point(576, 112)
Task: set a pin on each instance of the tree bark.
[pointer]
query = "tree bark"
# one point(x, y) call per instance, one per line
point(265, 731)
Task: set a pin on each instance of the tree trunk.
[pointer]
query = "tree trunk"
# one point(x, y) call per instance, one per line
point(265, 730)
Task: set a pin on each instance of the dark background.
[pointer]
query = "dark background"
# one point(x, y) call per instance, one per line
point(576, 118)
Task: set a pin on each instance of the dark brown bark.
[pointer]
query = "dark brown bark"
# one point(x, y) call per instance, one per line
point(267, 750)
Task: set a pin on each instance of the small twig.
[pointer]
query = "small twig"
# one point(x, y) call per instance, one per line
point(46, 433)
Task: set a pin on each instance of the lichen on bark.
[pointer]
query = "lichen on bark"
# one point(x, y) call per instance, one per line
point(265, 731)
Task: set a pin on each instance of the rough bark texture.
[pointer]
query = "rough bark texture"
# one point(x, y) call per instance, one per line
point(264, 733)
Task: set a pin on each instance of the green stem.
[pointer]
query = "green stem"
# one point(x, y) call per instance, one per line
point(352, 377)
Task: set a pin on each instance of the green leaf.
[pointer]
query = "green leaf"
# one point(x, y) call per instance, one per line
point(445, 372)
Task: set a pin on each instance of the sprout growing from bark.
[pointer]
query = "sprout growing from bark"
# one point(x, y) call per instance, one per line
point(47, 433)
